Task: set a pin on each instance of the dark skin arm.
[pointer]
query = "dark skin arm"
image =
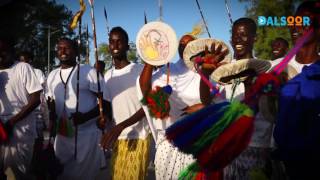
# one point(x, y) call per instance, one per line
point(207, 68)
point(80, 118)
point(111, 137)
point(33, 102)
point(145, 79)
point(217, 55)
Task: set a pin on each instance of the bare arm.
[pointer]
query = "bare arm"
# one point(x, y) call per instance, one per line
point(217, 55)
point(205, 95)
point(94, 112)
point(145, 79)
point(110, 137)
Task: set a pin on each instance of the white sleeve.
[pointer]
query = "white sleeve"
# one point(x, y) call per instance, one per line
point(30, 80)
point(92, 77)
point(41, 77)
point(106, 91)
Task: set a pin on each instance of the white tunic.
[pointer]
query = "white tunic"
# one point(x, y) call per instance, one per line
point(120, 89)
point(90, 157)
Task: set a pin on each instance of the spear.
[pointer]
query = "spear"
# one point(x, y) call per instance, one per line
point(108, 29)
point(160, 10)
point(204, 21)
point(87, 44)
point(228, 11)
point(145, 18)
point(96, 62)
point(77, 103)
point(106, 16)
point(96, 59)
point(77, 19)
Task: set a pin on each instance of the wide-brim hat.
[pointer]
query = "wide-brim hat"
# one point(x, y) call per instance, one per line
point(197, 46)
point(241, 69)
point(156, 43)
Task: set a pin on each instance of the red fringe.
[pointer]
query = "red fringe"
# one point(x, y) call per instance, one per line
point(213, 175)
point(266, 83)
point(228, 145)
point(158, 103)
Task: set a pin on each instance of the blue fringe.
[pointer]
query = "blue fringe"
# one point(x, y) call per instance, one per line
point(185, 140)
point(194, 118)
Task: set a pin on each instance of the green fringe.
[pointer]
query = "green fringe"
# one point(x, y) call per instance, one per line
point(190, 172)
point(233, 112)
point(160, 97)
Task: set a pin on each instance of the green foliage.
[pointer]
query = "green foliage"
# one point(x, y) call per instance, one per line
point(26, 23)
point(265, 34)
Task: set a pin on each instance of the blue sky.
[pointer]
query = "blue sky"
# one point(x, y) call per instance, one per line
point(181, 15)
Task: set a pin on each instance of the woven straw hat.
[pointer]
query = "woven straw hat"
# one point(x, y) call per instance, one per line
point(198, 45)
point(226, 73)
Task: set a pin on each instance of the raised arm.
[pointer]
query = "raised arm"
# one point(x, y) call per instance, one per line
point(145, 79)
point(215, 56)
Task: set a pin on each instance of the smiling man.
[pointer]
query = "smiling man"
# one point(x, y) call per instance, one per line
point(279, 48)
point(130, 138)
point(242, 41)
point(243, 38)
point(62, 91)
point(254, 156)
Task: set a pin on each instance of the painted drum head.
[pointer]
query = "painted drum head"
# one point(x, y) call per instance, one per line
point(156, 43)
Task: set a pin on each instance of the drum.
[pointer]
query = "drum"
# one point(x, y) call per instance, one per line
point(156, 43)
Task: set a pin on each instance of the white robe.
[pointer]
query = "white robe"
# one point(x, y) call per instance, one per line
point(169, 161)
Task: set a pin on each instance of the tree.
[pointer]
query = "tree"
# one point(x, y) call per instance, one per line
point(265, 34)
point(26, 22)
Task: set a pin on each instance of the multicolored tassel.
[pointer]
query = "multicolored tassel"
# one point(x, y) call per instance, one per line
point(214, 135)
point(230, 143)
point(158, 102)
point(196, 131)
point(65, 126)
point(265, 84)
